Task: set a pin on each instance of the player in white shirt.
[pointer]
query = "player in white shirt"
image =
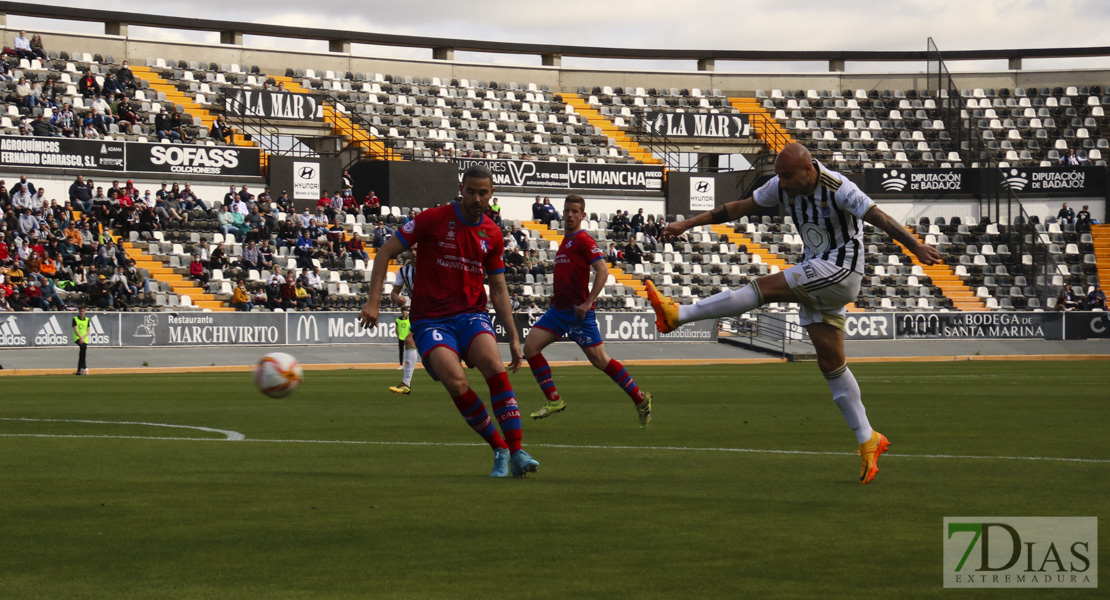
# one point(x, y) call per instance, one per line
point(829, 212)
point(400, 295)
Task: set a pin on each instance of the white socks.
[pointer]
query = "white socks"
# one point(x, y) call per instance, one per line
point(724, 304)
point(846, 394)
point(410, 365)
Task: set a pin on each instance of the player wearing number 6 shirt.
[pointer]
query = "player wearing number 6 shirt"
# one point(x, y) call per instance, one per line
point(572, 315)
point(830, 212)
point(460, 249)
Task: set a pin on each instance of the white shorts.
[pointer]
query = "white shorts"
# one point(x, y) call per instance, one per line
point(823, 289)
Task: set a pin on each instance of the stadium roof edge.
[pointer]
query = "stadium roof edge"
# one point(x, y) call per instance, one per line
point(435, 43)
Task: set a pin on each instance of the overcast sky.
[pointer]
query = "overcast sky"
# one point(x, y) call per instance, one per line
point(699, 24)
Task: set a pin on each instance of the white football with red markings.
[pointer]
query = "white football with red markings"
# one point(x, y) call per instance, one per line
point(277, 374)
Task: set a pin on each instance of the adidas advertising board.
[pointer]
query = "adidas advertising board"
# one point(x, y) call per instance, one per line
point(62, 152)
point(40, 330)
point(566, 176)
point(697, 125)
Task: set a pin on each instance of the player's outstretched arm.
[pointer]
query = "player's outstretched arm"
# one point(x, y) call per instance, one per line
point(503, 306)
point(368, 316)
point(722, 214)
point(925, 253)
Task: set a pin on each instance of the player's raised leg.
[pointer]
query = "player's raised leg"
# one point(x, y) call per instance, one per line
point(669, 315)
point(620, 376)
point(538, 339)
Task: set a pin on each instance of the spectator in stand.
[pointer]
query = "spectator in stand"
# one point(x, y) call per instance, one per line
point(651, 233)
point(251, 258)
point(289, 293)
point(37, 48)
point(632, 253)
point(550, 212)
point(356, 250)
point(112, 86)
point(350, 205)
point(100, 295)
point(1066, 215)
point(538, 210)
point(125, 116)
point(1083, 220)
point(22, 47)
point(265, 255)
point(1071, 158)
point(408, 217)
point(304, 249)
point(66, 121)
point(315, 285)
point(284, 204)
point(241, 298)
point(1096, 299)
point(521, 238)
point(381, 234)
point(88, 86)
point(221, 132)
point(80, 195)
point(177, 125)
point(218, 259)
point(190, 201)
point(164, 129)
point(106, 255)
point(4, 306)
point(6, 72)
point(371, 205)
point(537, 270)
point(40, 127)
point(197, 272)
point(636, 223)
point(1067, 300)
point(226, 223)
point(613, 255)
point(126, 77)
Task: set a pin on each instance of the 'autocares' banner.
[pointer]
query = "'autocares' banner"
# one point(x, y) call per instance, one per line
point(569, 176)
point(271, 104)
point(62, 153)
point(1041, 181)
point(697, 125)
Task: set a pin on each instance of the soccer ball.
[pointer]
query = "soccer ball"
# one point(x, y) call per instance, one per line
point(277, 374)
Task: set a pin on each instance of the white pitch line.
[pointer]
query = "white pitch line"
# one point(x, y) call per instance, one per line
point(230, 435)
point(563, 446)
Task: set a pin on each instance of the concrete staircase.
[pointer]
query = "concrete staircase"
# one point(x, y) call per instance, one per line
point(1101, 236)
point(175, 96)
point(962, 297)
point(178, 282)
point(635, 150)
point(765, 126)
point(369, 146)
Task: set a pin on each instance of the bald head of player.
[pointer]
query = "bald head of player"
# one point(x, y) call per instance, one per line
point(794, 166)
point(475, 191)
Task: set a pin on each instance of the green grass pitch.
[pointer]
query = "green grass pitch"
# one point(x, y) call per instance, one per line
point(344, 490)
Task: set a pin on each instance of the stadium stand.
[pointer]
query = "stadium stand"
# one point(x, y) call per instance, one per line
point(989, 265)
